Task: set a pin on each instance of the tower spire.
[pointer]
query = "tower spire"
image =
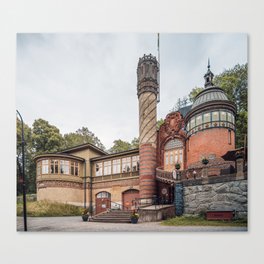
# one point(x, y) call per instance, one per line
point(209, 76)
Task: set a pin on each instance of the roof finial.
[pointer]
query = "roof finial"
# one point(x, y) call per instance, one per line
point(208, 66)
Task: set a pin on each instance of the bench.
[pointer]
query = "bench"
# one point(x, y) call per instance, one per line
point(220, 215)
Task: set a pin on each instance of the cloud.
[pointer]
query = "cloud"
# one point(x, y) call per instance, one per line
point(75, 80)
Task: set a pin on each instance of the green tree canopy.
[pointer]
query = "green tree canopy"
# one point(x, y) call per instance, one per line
point(120, 145)
point(82, 136)
point(194, 92)
point(46, 138)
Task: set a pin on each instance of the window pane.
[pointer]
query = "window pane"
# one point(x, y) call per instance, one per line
point(116, 166)
point(171, 157)
point(107, 167)
point(99, 169)
point(135, 163)
point(223, 116)
point(207, 120)
point(126, 164)
point(45, 166)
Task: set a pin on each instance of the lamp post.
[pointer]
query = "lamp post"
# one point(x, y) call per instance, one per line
point(23, 175)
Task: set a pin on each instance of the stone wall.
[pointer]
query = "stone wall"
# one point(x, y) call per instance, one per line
point(156, 213)
point(230, 194)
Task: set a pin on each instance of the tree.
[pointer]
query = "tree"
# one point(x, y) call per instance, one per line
point(235, 83)
point(135, 143)
point(120, 145)
point(194, 92)
point(46, 138)
point(30, 172)
point(81, 136)
point(160, 122)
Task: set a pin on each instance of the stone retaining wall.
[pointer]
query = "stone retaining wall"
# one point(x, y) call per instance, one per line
point(226, 195)
point(158, 214)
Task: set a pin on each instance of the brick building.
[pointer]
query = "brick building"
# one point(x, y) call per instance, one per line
point(87, 175)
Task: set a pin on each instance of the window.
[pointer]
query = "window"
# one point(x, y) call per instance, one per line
point(215, 117)
point(229, 136)
point(45, 166)
point(180, 155)
point(99, 169)
point(199, 121)
point(166, 158)
point(192, 123)
point(103, 195)
point(135, 163)
point(39, 168)
point(54, 166)
point(107, 167)
point(116, 166)
point(64, 167)
point(171, 157)
point(207, 119)
point(126, 164)
point(176, 158)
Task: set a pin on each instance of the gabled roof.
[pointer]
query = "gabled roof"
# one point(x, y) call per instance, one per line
point(84, 146)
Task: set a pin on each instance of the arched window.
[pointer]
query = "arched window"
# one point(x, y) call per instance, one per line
point(103, 195)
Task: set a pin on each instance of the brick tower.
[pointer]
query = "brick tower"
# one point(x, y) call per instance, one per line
point(148, 92)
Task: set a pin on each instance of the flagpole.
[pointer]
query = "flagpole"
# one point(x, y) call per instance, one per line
point(158, 46)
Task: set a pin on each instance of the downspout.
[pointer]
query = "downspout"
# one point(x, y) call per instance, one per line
point(91, 190)
point(84, 185)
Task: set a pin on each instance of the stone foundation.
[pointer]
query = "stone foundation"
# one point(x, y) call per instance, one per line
point(227, 195)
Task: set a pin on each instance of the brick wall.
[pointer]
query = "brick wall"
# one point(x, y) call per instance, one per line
point(211, 141)
point(147, 154)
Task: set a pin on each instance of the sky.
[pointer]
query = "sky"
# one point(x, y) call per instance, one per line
point(89, 80)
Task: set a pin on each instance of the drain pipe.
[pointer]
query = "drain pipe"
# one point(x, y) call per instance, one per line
point(84, 203)
point(91, 190)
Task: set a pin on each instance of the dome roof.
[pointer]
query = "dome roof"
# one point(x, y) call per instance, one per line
point(210, 94)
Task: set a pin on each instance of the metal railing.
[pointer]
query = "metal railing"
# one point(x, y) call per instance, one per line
point(153, 200)
point(118, 206)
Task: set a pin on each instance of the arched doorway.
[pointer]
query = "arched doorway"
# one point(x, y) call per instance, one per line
point(128, 196)
point(103, 202)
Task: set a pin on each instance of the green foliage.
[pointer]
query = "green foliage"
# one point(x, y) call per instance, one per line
point(120, 145)
point(82, 136)
point(194, 92)
point(160, 122)
point(45, 208)
point(135, 143)
point(235, 83)
point(46, 138)
point(30, 170)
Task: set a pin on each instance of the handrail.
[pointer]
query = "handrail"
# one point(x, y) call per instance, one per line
point(148, 201)
point(120, 206)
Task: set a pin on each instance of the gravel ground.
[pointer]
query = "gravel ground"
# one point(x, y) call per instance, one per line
point(75, 224)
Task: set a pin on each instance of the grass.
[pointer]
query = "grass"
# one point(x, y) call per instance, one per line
point(46, 208)
point(200, 221)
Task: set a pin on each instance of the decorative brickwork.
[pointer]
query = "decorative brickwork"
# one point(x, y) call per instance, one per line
point(147, 154)
point(212, 141)
point(172, 128)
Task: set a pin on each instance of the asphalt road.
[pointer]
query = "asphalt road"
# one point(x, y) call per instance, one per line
point(75, 224)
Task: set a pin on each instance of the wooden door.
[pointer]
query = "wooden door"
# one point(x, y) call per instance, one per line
point(102, 202)
point(128, 197)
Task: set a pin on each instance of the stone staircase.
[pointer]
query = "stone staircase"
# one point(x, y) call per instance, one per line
point(113, 216)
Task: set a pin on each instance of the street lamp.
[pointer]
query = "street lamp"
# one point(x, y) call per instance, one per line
point(23, 175)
